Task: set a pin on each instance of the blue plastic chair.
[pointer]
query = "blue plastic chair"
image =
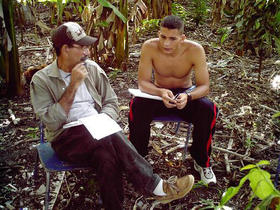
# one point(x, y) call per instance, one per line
point(178, 120)
point(51, 163)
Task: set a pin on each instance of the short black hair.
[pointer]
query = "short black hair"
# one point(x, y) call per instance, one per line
point(173, 22)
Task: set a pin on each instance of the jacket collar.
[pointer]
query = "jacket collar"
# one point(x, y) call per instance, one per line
point(53, 70)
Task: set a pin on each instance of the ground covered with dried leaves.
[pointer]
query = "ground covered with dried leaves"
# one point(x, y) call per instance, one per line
point(245, 132)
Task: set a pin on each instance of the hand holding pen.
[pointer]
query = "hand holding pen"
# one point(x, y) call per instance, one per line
point(181, 100)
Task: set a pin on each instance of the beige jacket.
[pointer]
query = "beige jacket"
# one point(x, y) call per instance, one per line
point(47, 87)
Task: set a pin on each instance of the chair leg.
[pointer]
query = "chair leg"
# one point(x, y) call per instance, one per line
point(187, 140)
point(35, 174)
point(177, 127)
point(47, 195)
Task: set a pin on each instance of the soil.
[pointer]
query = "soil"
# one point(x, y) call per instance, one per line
point(246, 106)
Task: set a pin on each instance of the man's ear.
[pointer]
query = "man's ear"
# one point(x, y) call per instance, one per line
point(64, 49)
point(183, 37)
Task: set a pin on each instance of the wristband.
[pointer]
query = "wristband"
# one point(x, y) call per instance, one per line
point(189, 97)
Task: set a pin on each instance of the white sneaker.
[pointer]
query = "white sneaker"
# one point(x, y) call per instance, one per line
point(207, 175)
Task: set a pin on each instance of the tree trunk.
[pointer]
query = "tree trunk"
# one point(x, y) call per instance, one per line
point(122, 38)
point(160, 8)
point(13, 77)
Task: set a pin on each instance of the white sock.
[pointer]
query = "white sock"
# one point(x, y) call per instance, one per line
point(159, 189)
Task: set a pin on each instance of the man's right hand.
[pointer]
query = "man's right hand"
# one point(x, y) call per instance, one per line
point(79, 73)
point(168, 98)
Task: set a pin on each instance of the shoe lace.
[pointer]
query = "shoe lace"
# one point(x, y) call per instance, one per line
point(172, 183)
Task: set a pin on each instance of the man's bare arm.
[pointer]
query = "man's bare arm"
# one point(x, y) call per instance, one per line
point(201, 73)
point(201, 77)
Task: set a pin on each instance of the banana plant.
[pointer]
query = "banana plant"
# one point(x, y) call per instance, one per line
point(9, 59)
point(160, 8)
point(108, 22)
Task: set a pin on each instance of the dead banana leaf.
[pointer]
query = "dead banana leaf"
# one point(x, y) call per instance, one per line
point(99, 10)
point(157, 148)
point(111, 18)
point(43, 27)
point(100, 43)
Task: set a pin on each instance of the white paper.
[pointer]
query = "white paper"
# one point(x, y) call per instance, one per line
point(72, 124)
point(100, 125)
point(139, 93)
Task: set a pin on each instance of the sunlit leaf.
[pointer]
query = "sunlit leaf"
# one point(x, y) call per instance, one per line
point(247, 167)
point(260, 183)
point(232, 191)
point(276, 115)
point(105, 3)
point(263, 162)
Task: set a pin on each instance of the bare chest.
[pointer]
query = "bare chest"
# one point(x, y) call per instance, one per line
point(177, 67)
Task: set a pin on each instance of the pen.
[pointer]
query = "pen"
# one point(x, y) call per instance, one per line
point(176, 96)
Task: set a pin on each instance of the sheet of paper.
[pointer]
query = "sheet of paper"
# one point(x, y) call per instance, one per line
point(72, 124)
point(100, 125)
point(139, 93)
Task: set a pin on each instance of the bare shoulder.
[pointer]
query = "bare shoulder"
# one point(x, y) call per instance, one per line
point(193, 46)
point(151, 44)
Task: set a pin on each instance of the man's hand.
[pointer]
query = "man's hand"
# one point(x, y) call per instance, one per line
point(168, 98)
point(79, 73)
point(181, 100)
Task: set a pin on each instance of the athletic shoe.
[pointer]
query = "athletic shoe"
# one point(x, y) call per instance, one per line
point(207, 175)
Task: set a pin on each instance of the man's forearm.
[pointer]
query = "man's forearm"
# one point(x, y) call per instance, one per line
point(68, 96)
point(150, 88)
point(200, 91)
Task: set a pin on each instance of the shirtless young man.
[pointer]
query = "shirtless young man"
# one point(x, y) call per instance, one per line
point(165, 70)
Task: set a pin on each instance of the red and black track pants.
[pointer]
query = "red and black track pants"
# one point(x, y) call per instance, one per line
point(202, 113)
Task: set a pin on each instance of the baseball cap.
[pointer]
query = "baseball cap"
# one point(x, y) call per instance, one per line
point(71, 33)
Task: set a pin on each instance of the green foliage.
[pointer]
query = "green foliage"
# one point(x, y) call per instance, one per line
point(256, 24)
point(249, 143)
point(106, 3)
point(260, 183)
point(199, 184)
point(32, 132)
point(114, 73)
point(178, 10)
point(225, 33)
point(276, 115)
point(199, 10)
point(148, 25)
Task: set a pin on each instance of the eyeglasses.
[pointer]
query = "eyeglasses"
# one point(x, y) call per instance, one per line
point(84, 48)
